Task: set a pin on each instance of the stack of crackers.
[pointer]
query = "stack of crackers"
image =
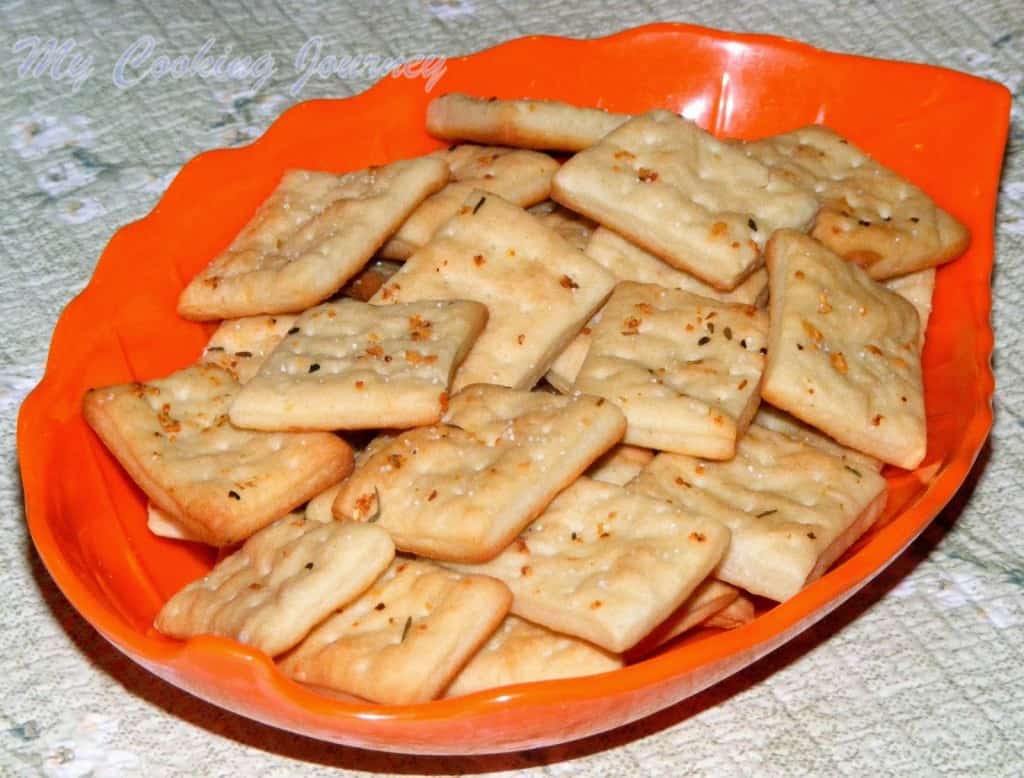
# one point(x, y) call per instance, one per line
point(480, 418)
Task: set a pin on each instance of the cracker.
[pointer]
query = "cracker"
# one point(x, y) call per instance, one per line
point(869, 214)
point(522, 652)
point(532, 124)
point(521, 177)
point(352, 365)
point(463, 490)
point(621, 464)
point(628, 262)
point(917, 289)
point(793, 509)
point(844, 353)
point(790, 426)
point(284, 581)
point(315, 232)
point(241, 345)
point(574, 227)
point(606, 564)
point(697, 202)
point(734, 615)
point(538, 288)
point(711, 597)
point(319, 508)
point(406, 638)
point(631, 263)
point(367, 281)
point(220, 483)
point(684, 369)
point(163, 525)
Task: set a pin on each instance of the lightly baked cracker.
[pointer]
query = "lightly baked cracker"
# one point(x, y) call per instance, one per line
point(620, 465)
point(844, 353)
point(517, 175)
point(631, 263)
point(697, 202)
point(521, 652)
point(221, 484)
point(786, 424)
point(711, 597)
point(406, 638)
point(792, 508)
point(283, 582)
point(462, 490)
point(734, 615)
point(869, 214)
point(352, 365)
point(538, 289)
point(684, 369)
point(315, 232)
point(531, 124)
point(917, 289)
point(240, 345)
point(574, 227)
point(606, 564)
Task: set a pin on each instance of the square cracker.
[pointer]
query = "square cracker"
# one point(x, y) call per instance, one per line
point(606, 564)
point(406, 638)
point(793, 509)
point(917, 289)
point(620, 465)
point(786, 424)
point(532, 124)
point(684, 369)
point(844, 353)
point(574, 227)
point(519, 176)
point(241, 345)
point(315, 232)
point(220, 483)
point(352, 365)
point(697, 202)
point(283, 582)
point(463, 490)
point(734, 615)
point(538, 288)
point(631, 263)
point(869, 214)
point(711, 597)
point(522, 652)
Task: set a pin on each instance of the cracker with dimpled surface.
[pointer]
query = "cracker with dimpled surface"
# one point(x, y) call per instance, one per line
point(620, 465)
point(684, 369)
point(574, 227)
point(844, 352)
point(464, 489)
point(538, 289)
point(283, 582)
point(711, 597)
point(315, 232)
point(519, 176)
point(221, 484)
point(869, 214)
point(793, 509)
point(352, 365)
point(786, 424)
point(532, 124)
point(697, 202)
point(631, 263)
point(606, 564)
point(241, 345)
point(406, 638)
point(521, 652)
point(917, 289)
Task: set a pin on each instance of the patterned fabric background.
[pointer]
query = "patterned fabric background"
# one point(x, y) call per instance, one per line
point(922, 673)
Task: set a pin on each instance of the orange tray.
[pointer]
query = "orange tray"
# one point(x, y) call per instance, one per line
point(942, 129)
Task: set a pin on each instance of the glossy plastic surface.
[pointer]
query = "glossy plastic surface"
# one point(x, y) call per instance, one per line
point(943, 130)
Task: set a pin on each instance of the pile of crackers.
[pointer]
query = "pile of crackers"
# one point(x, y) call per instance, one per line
point(486, 416)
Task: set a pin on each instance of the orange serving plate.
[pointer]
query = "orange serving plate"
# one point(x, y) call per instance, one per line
point(943, 130)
